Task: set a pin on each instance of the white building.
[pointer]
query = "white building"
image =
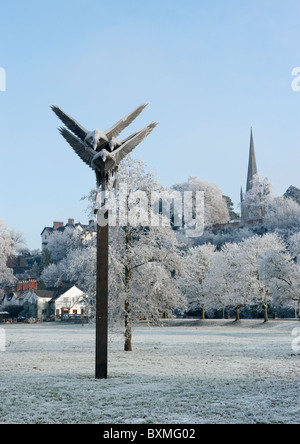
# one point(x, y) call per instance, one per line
point(70, 303)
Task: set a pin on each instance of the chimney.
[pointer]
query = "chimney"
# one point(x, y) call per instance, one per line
point(32, 284)
point(57, 225)
point(71, 222)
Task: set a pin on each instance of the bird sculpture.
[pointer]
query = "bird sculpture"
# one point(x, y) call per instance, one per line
point(101, 150)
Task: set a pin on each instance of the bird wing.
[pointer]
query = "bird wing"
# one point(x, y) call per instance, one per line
point(70, 123)
point(115, 130)
point(84, 152)
point(127, 146)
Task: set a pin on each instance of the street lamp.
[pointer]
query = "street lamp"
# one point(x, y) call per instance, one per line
point(102, 152)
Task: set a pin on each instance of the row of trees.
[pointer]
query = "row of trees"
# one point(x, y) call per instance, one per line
point(256, 272)
point(251, 266)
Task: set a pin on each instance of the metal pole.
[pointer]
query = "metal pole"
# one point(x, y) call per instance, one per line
point(102, 302)
point(87, 147)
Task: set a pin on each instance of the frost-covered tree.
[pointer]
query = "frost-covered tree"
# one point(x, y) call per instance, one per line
point(197, 262)
point(215, 206)
point(257, 199)
point(223, 284)
point(253, 252)
point(217, 283)
point(282, 273)
point(148, 253)
point(149, 258)
point(282, 213)
point(236, 291)
point(62, 242)
point(18, 242)
point(7, 245)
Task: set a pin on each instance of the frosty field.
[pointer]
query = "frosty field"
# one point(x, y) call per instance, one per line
point(191, 372)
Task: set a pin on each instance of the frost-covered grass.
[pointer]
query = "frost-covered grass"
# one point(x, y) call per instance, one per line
point(189, 372)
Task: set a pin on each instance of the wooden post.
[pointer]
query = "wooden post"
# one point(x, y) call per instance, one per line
point(102, 302)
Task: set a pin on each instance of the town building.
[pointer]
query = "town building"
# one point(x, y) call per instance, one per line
point(88, 231)
point(18, 264)
point(49, 304)
point(72, 302)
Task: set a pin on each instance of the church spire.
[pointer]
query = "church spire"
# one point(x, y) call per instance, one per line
point(252, 168)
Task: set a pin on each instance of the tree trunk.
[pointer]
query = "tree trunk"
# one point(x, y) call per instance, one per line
point(128, 328)
point(203, 311)
point(223, 310)
point(237, 313)
point(128, 320)
point(265, 308)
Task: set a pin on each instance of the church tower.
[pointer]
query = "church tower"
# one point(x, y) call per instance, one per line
point(252, 171)
point(252, 168)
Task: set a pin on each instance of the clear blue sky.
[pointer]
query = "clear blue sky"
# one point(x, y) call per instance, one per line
point(210, 69)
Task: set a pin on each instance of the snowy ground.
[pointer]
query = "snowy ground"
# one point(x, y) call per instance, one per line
point(190, 372)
